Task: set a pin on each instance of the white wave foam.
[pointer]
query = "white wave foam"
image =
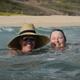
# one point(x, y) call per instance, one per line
point(6, 29)
point(51, 59)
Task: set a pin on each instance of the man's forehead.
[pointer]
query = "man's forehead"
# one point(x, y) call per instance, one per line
point(57, 33)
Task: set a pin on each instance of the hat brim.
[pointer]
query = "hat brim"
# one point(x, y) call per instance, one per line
point(41, 40)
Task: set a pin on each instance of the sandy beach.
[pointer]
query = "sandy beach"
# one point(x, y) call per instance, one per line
point(45, 21)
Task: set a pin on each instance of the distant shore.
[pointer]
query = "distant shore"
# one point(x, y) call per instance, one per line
point(43, 21)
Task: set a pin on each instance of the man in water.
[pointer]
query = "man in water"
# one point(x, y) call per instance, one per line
point(58, 39)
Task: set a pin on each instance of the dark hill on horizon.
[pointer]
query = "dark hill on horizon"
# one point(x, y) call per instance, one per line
point(41, 7)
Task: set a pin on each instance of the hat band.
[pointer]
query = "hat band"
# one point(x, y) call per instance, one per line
point(27, 31)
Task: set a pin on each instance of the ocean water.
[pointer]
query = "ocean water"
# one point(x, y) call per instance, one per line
point(45, 63)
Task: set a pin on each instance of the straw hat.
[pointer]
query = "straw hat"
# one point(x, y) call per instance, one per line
point(28, 30)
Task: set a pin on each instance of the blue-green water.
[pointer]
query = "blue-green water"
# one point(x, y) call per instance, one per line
point(48, 64)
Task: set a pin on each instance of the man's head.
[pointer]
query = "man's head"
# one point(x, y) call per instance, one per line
point(57, 39)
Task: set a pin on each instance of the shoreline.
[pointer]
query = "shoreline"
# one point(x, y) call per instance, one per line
point(43, 21)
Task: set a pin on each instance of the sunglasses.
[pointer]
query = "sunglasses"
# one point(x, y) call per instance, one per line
point(28, 39)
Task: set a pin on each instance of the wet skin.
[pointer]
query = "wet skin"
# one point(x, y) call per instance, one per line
point(27, 45)
point(57, 40)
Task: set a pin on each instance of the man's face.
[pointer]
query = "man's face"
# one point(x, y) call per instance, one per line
point(27, 44)
point(57, 39)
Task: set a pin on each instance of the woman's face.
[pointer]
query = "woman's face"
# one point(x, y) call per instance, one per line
point(57, 39)
point(27, 44)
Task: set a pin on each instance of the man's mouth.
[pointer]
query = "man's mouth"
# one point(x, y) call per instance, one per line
point(58, 44)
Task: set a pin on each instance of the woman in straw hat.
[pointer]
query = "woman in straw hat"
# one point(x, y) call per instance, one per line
point(28, 39)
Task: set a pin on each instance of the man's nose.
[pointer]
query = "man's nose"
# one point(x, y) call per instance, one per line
point(29, 43)
point(57, 40)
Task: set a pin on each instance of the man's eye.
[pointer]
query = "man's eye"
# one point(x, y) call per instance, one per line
point(60, 37)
